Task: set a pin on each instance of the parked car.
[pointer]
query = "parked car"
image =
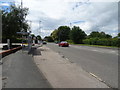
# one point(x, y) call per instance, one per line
point(64, 44)
point(44, 42)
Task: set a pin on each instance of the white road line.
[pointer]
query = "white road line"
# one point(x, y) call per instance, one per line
point(96, 76)
point(98, 51)
point(99, 79)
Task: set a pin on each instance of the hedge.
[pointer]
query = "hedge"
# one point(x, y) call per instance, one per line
point(103, 41)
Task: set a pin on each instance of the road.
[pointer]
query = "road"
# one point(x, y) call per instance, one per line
point(20, 71)
point(102, 63)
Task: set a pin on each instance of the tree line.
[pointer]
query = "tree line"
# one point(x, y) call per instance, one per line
point(13, 21)
point(76, 35)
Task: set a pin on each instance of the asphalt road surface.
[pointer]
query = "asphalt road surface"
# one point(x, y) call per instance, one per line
point(20, 71)
point(101, 62)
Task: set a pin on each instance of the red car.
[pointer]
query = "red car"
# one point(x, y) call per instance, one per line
point(64, 44)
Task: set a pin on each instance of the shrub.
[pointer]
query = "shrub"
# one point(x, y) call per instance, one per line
point(103, 41)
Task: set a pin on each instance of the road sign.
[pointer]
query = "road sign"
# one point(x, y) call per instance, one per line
point(23, 33)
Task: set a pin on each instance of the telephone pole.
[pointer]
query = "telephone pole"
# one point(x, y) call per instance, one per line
point(40, 27)
point(39, 30)
point(22, 20)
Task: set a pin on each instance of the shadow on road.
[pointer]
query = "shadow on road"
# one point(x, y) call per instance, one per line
point(34, 51)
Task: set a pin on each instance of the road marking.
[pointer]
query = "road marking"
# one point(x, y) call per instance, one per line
point(98, 51)
point(99, 79)
point(96, 76)
point(66, 58)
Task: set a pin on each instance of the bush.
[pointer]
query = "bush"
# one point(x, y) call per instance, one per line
point(70, 41)
point(103, 41)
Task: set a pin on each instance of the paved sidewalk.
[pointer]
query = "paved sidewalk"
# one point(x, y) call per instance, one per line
point(20, 71)
point(61, 73)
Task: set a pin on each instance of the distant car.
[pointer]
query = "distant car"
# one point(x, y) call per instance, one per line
point(56, 42)
point(33, 44)
point(64, 44)
point(44, 42)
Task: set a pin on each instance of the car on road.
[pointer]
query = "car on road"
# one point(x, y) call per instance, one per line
point(44, 42)
point(56, 42)
point(64, 44)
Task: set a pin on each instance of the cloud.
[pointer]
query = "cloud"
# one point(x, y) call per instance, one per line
point(5, 4)
point(99, 16)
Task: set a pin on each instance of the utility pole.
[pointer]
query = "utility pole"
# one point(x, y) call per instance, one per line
point(22, 15)
point(70, 25)
point(0, 25)
point(29, 38)
point(22, 20)
point(40, 30)
point(40, 27)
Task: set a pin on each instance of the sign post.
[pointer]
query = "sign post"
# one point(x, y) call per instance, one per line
point(8, 42)
point(29, 38)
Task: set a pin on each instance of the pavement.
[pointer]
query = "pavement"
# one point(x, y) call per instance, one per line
point(61, 73)
point(20, 71)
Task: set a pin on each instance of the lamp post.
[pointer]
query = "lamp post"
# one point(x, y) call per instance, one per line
point(29, 38)
point(40, 30)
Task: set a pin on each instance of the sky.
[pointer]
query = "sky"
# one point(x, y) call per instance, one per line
point(89, 15)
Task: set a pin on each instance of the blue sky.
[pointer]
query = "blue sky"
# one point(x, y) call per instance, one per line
point(6, 3)
point(89, 15)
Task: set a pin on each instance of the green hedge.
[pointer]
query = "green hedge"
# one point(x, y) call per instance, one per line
point(103, 41)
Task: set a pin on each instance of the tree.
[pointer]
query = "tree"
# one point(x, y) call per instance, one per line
point(13, 21)
point(54, 35)
point(32, 35)
point(63, 33)
point(108, 36)
point(48, 39)
point(77, 35)
point(104, 35)
point(96, 34)
point(39, 37)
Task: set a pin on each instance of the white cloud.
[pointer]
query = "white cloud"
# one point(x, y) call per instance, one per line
point(91, 0)
point(4, 4)
point(102, 16)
